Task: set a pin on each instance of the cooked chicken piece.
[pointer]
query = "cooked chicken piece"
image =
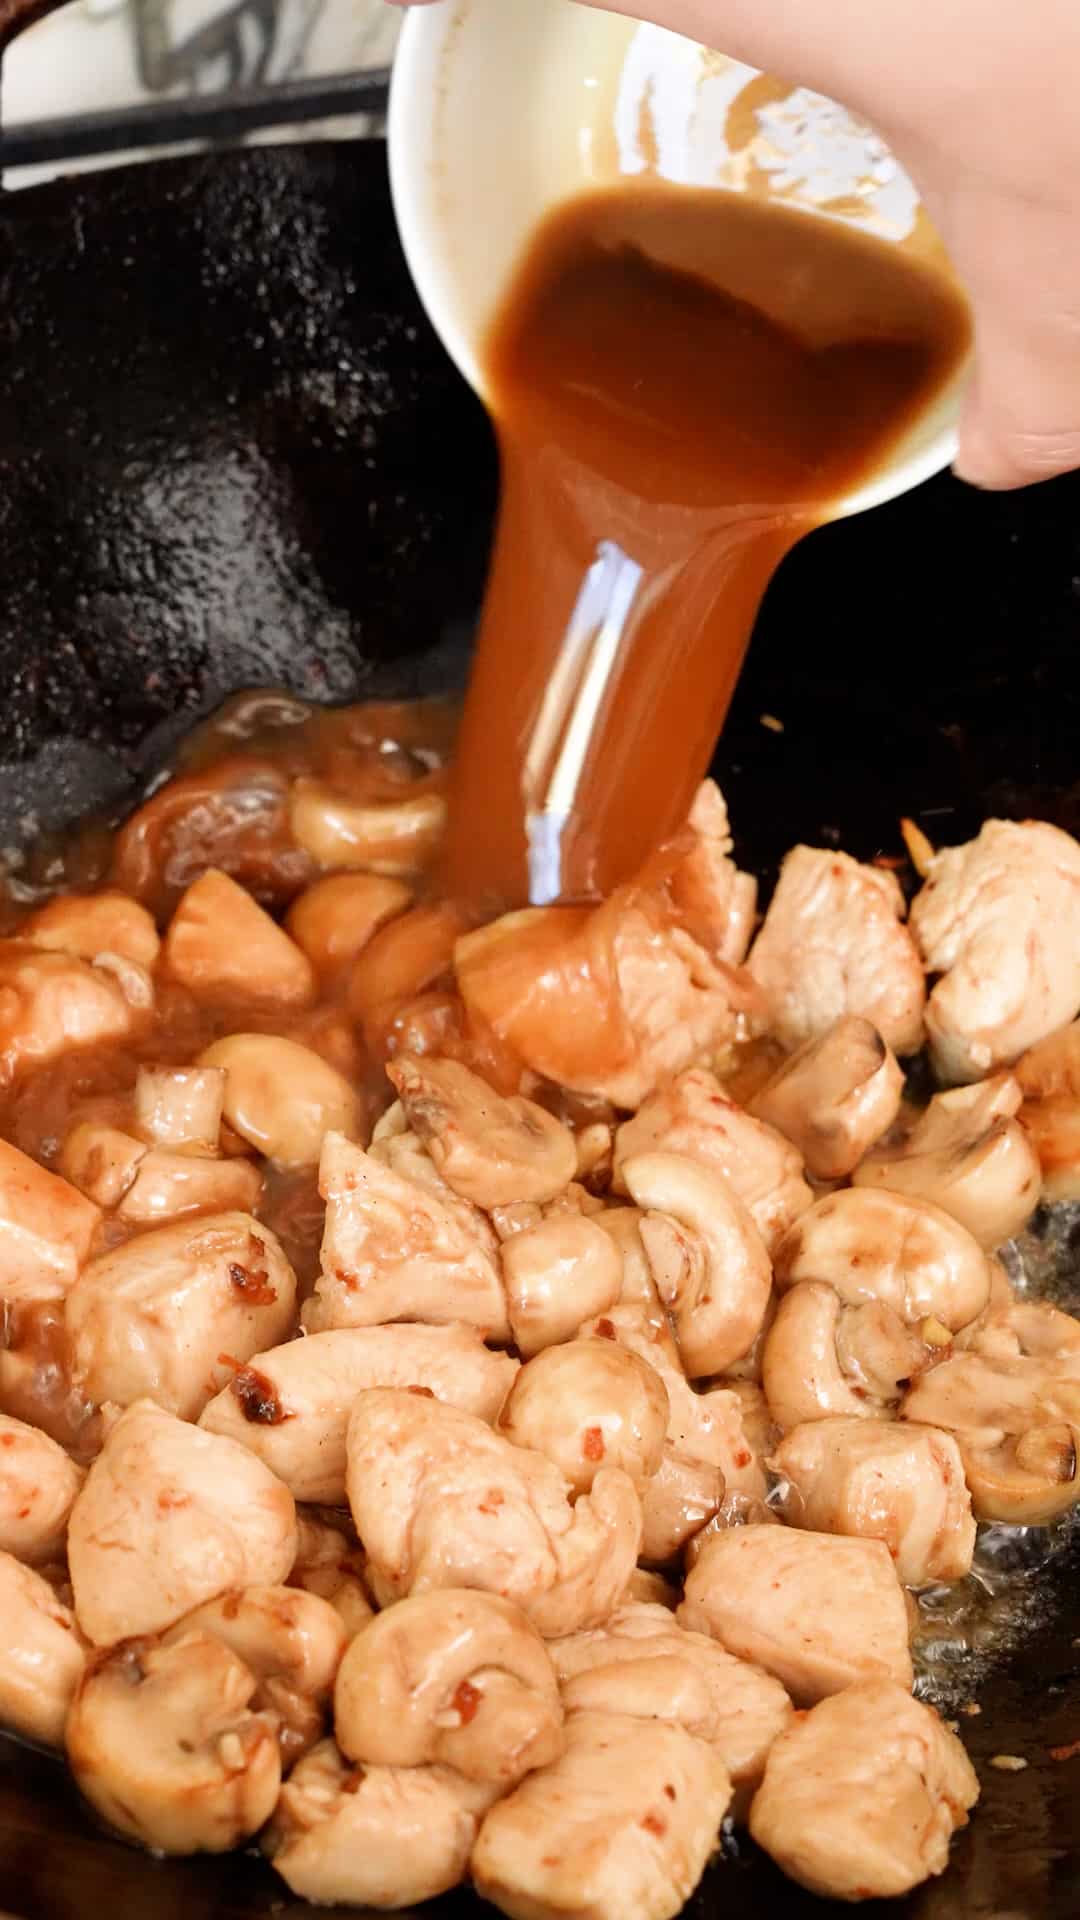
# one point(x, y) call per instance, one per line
point(439, 1500)
point(825, 1358)
point(715, 902)
point(169, 1517)
point(588, 1404)
point(403, 959)
point(147, 1186)
point(180, 1107)
point(392, 837)
point(333, 919)
point(642, 1662)
point(167, 1315)
point(834, 943)
point(882, 1480)
point(372, 1836)
point(906, 1254)
point(393, 1250)
point(708, 1260)
point(1016, 1419)
point(45, 1229)
point(292, 1641)
point(556, 1275)
point(163, 1743)
point(490, 1150)
point(1050, 1070)
point(681, 1498)
point(620, 1828)
point(969, 1155)
point(38, 1484)
point(87, 924)
point(291, 1406)
point(460, 1679)
point(41, 1658)
point(333, 1567)
point(53, 1002)
point(817, 1610)
point(282, 1098)
point(1012, 1328)
point(1053, 1128)
point(222, 945)
point(694, 1117)
point(835, 1097)
point(999, 919)
point(102, 1161)
point(862, 1795)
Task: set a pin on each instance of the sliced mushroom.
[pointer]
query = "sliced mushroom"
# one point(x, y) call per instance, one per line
point(862, 1795)
point(907, 1254)
point(163, 1744)
point(1016, 1420)
point(968, 1155)
point(638, 1288)
point(707, 1257)
point(222, 945)
point(180, 1107)
point(402, 959)
point(46, 1227)
point(291, 1640)
point(824, 1358)
point(835, 1097)
point(455, 1678)
point(587, 1404)
point(556, 1275)
point(1049, 1076)
point(488, 1149)
point(334, 918)
point(281, 1097)
point(38, 1485)
point(42, 1655)
point(393, 837)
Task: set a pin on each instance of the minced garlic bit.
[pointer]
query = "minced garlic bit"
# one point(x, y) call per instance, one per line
point(1008, 1763)
point(920, 849)
point(934, 1334)
point(770, 720)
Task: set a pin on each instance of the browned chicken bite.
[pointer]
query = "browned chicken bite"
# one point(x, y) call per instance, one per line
point(42, 1655)
point(38, 1485)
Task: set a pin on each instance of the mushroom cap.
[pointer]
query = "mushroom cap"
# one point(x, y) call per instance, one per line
point(585, 1403)
point(492, 1150)
point(834, 1097)
point(824, 1359)
point(874, 1245)
point(557, 1275)
point(969, 1155)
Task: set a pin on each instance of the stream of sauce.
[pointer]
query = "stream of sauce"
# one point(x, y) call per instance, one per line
point(683, 381)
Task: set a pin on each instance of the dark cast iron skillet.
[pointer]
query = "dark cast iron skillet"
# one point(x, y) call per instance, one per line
point(233, 454)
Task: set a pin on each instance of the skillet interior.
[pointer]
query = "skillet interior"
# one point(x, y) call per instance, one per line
point(233, 454)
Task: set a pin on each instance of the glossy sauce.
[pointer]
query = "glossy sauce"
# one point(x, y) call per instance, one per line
point(693, 378)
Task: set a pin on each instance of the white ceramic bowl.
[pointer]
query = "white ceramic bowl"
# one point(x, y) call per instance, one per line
point(502, 109)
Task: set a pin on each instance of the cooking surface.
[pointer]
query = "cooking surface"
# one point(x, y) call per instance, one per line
point(177, 522)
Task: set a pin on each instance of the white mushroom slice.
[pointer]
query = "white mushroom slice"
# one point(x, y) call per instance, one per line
point(38, 1485)
point(281, 1097)
point(222, 945)
point(835, 1097)
point(180, 1107)
point(1013, 1329)
point(682, 1497)
point(736, 1707)
point(862, 1795)
point(169, 1517)
point(587, 1404)
point(969, 1155)
point(392, 837)
point(1053, 1127)
point(439, 1500)
point(162, 1743)
point(91, 923)
point(907, 1254)
point(165, 1315)
point(623, 1824)
point(372, 1836)
point(291, 1406)
point(556, 1275)
point(999, 920)
point(708, 1260)
point(42, 1655)
point(455, 1678)
point(770, 1595)
point(393, 1250)
point(882, 1480)
point(1016, 1419)
point(834, 943)
point(823, 1358)
point(51, 1003)
point(291, 1640)
point(622, 1224)
point(45, 1229)
point(693, 1116)
point(490, 1150)
point(1050, 1070)
point(334, 918)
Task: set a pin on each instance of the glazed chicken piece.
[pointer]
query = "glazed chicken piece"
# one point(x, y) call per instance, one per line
point(87, 924)
point(291, 1406)
point(587, 1404)
point(291, 1641)
point(222, 945)
point(556, 1275)
point(882, 1480)
point(815, 1609)
point(372, 1836)
point(459, 1679)
point(969, 1155)
point(147, 1186)
point(46, 1228)
point(493, 1151)
point(41, 1658)
point(835, 1097)
point(714, 900)
point(999, 920)
point(862, 1795)
point(693, 1116)
point(51, 1003)
point(394, 1250)
point(164, 1745)
point(439, 1500)
point(834, 943)
point(168, 1315)
point(905, 1254)
point(620, 1828)
point(38, 1485)
point(825, 1357)
point(168, 1518)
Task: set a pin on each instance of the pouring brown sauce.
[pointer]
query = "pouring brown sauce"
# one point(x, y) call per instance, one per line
point(686, 380)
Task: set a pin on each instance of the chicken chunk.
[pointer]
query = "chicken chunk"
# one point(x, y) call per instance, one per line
point(999, 920)
point(439, 1500)
point(46, 1228)
point(906, 1254)
point(863, 1794)
point(292, 1641)
point(770, 1595)
point(394, 1250)
point(51, 1003)
point(835, 1097)
point(42, 1655)
point(714, 900)
point(162, 1315)
point(291, 1406)
point(586, 1404)
point(493, 1151)
point(834, 943)
point(620, 1828)
point(882, 1480)
point(969, 1155)
point(693, 1116)
point(170, 1517)
point(87, 924)
point(38, 1485)
point(222, 945)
